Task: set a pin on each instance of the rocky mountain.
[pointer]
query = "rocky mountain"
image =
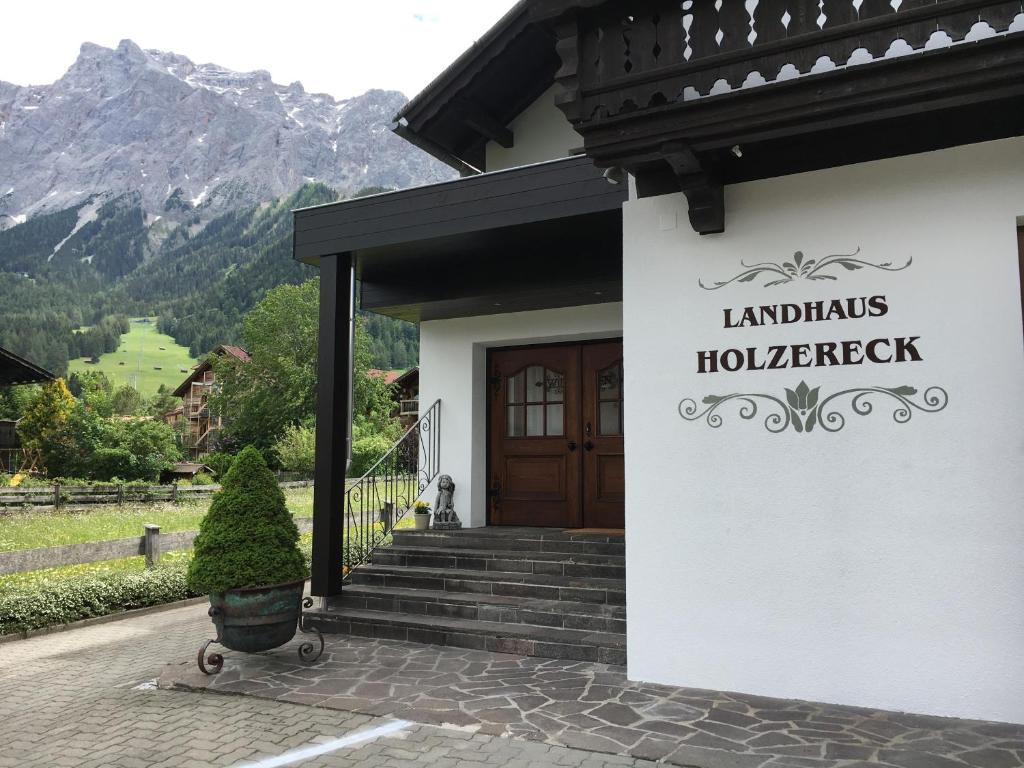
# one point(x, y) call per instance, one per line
point(183, 139)
point(141, 183)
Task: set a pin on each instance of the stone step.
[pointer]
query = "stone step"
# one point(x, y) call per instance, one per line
point(540, 586)
point(511, 610)
point(550, 563)
point(498, 637)
point(547, 540)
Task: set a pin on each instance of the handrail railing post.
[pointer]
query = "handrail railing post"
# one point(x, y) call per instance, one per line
point(389, 488)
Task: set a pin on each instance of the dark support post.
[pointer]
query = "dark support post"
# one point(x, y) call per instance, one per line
point(332, 423)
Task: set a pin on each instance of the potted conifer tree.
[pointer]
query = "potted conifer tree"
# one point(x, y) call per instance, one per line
point(246, 556)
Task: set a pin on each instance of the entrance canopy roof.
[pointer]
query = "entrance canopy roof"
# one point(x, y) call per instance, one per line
point(534, 237)
point(17, 370)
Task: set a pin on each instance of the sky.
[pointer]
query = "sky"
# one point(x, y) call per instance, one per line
point(341, 48)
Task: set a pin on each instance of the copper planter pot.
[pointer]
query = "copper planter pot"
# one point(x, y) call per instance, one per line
point(255, 619)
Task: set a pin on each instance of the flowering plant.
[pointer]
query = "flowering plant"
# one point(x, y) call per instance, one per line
point(421, 507)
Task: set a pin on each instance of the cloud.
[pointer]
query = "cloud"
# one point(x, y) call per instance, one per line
point(427, 18)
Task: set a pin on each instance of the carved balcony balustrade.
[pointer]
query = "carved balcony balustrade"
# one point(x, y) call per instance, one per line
point(675, 90)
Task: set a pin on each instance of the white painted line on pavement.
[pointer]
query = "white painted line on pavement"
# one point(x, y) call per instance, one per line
point(308, 753)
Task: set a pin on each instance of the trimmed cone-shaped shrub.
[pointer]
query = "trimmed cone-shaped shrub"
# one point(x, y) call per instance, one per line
point(248, 538)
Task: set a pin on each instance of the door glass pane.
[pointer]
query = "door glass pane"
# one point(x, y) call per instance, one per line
point(556, 420)
point(534, 420)
point(515, 388)
point(608, 383)
point(609, 418)
point(535, 384)
point(515, 421)
point(555, 386)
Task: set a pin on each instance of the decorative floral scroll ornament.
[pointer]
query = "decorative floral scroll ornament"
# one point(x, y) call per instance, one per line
point(803, 408)
point(801, 269)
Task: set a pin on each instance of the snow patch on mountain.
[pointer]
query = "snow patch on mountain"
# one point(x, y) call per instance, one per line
point(86, 214)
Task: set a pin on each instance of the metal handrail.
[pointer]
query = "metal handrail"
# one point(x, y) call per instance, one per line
point(377, 501)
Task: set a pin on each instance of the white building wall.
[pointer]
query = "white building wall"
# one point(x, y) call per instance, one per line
point(539, 133)
point(453, 356)
point(879, 565)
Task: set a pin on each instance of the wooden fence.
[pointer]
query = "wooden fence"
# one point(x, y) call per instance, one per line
point(58, 496)
point(151, 544)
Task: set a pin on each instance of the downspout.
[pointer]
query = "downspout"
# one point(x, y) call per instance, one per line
point(351, 363)
point(402, 129)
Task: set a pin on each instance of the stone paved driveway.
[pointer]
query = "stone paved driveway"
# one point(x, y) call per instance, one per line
point(594, 706)
point(86, 698)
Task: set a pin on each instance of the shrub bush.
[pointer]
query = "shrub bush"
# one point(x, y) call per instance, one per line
point(367, 451)
point(203, 478)
point(248, 538)
point(296, 450)
point(109, 462)
point(86, 445)
point(220, 463)
point(61, 600)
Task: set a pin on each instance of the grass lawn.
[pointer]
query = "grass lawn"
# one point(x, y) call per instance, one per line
point(142, 351)
point(29, 530)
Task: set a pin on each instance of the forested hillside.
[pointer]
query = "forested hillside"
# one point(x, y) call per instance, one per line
point(97, 261)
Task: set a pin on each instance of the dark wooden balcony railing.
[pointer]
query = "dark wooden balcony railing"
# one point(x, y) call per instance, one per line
point(677, 91)
point(635, 55)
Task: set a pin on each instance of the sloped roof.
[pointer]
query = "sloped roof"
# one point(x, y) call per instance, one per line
point(390, 377)
point(412, 373)
point(500, 75)
point(18, 370)
point(204, 365)
point(189, 468)
point(238, 352)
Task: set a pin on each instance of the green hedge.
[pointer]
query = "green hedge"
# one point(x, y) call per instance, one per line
point(61, 600)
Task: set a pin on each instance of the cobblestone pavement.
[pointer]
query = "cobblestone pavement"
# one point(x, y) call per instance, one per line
point(593, 706)
point(87, 698)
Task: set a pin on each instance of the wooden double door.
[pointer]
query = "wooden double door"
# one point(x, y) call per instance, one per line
point(556, 436)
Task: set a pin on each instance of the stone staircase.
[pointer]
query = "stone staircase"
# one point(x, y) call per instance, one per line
point(529, 591)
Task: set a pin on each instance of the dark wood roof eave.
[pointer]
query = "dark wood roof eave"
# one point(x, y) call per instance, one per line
point(438, 91)
point(543, 192)
point(17, 370)
point(481, 92)
point(534, 237)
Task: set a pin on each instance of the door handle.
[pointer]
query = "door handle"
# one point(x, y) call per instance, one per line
point(588, 446)
point(572, 445)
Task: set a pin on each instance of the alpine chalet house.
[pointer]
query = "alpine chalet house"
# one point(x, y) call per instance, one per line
point(740, 277)
point(15, 370)
point(200, 427)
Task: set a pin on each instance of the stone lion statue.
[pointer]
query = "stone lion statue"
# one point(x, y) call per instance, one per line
point(444, 506)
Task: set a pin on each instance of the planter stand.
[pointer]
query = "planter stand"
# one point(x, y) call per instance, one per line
point(308, 652)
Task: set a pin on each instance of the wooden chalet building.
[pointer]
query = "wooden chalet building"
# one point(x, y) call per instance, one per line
point(15, 370)
point(742, 279)
point(407, 396)
point(200, 428)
